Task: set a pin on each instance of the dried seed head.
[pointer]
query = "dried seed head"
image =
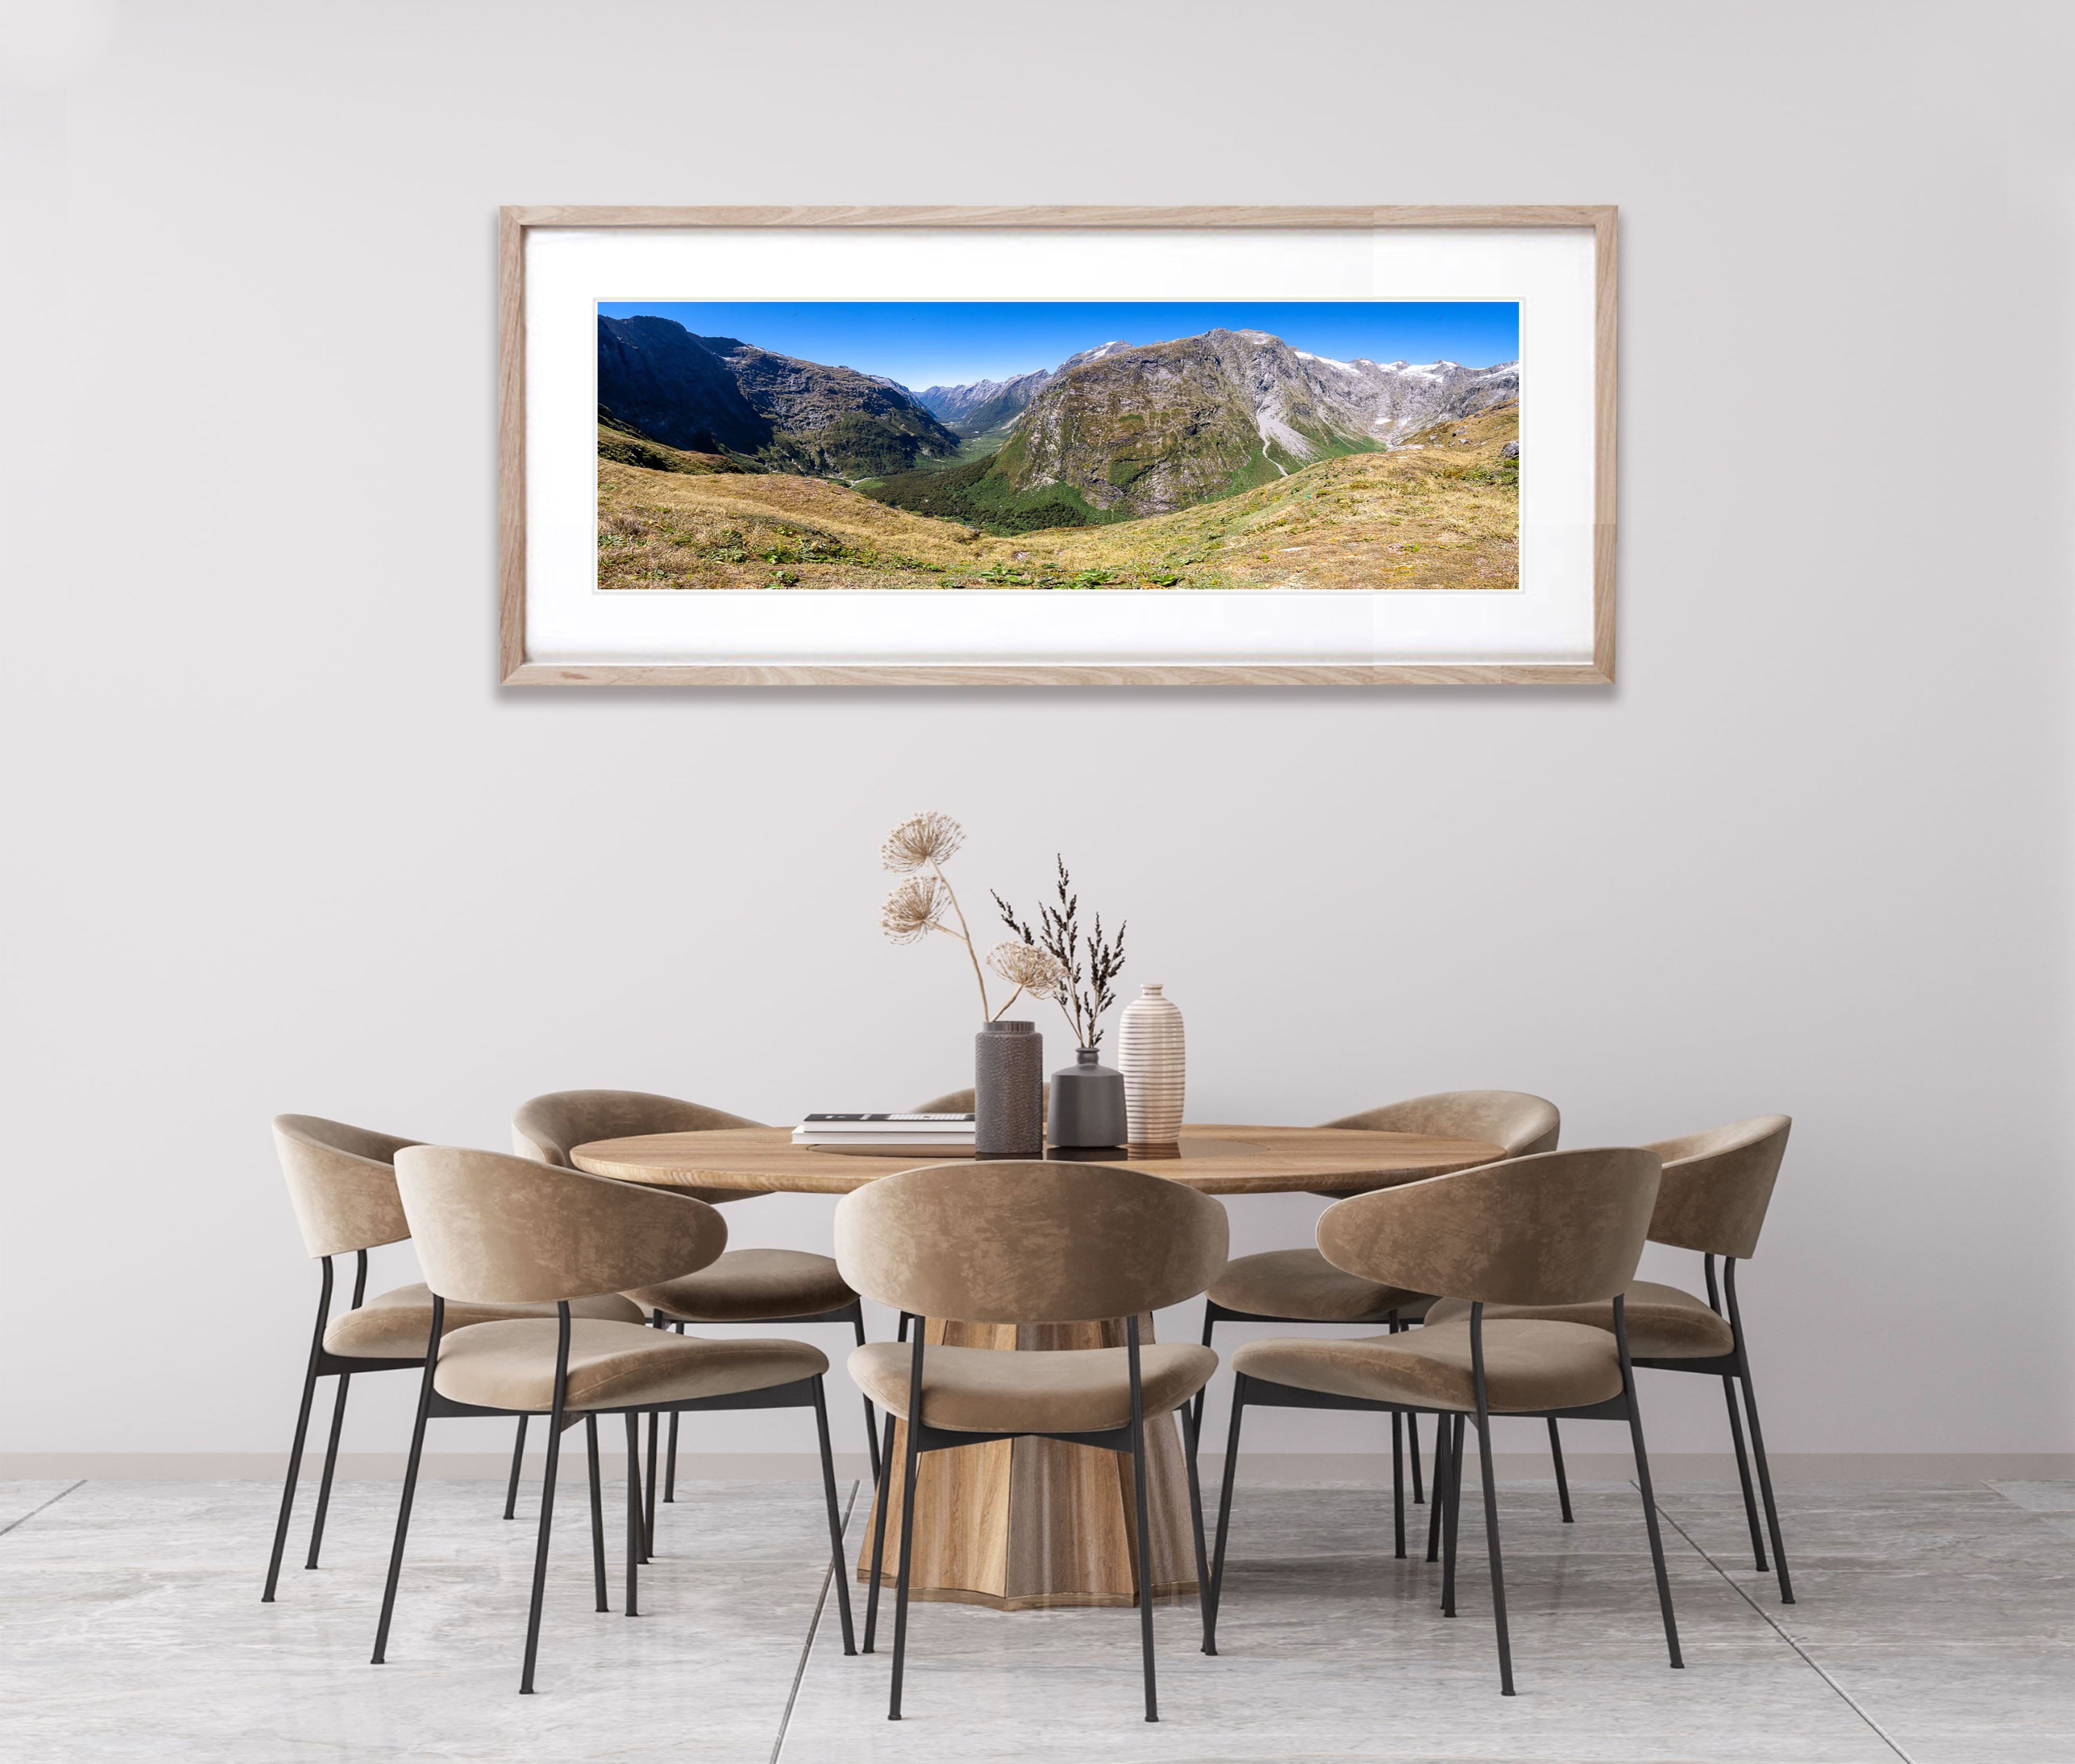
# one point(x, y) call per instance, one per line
point(913, 909)
point(920, 839)
point(1039, 972)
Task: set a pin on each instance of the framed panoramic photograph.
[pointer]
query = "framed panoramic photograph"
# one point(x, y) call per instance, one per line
point(1057, 446)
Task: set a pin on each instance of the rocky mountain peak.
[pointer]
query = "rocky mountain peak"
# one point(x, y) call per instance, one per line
point(978, 406)
point(720, 394)
point(1095, 354)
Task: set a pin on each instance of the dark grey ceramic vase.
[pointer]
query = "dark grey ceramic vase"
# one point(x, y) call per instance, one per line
point(1087, 1103)
point(1008, 1092)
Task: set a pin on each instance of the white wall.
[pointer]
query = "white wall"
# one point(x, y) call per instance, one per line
point(278, 842)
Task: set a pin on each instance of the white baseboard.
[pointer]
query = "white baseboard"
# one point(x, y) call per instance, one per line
point(1254, 1466)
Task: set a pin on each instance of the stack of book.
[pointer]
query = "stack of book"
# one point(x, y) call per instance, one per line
point(950, 1134)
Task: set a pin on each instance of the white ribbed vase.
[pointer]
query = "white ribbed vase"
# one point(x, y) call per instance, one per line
point(1149, 1054)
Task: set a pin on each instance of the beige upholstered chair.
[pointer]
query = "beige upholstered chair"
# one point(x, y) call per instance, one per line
point(1717, 1187)
point(763, 1286)
point(1557, 1229)
point(343, 1186)
point(498, 1231)
point(1300, 1286)
point(1026, 1242)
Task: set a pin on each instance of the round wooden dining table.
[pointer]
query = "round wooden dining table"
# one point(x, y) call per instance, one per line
point(1027, 1523)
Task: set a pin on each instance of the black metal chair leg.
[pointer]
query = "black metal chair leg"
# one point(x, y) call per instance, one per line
point(649, 1498)
point(1437, 1513)
point(907, 1559)
point(842, 1574)
point(1757, 1433)
point(871, 1419)
point(1492, 1549)
point(1397, 1484)
point(1196, 1529)
point(302, 1433)
point(872, 1440)
point(1765, 1492)
point(1144, 1539)
point(634, 1526)
point(1210, 1324)
point(597, 1514)
point(541, 1549)
point(1224, 1513)
point(1656, 1539)
point(655, 1431)
point(1643, 1483)
point(670, 1452)
point(1145, 1554)
point(881, 1500)
point(410, 1482)
point(561, 1390)
point(330, 1464)
point(1729, 1401)
point(289, 1487)
point(1563, 1481)
point(517, 1463)
point(1451, 1523)
point(1399, 1327)
point(1744, 1475)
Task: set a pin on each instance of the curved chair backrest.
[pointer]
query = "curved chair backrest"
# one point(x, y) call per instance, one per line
point(1717, 1185)
point(342, 1183)
point(502, 1231)
point(549, 1127)
point(1553, 1229)
point(1016, 1242)
point(1522, 1124)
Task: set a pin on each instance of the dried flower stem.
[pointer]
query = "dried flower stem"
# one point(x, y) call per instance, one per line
point(964, 935)
point(929, 839)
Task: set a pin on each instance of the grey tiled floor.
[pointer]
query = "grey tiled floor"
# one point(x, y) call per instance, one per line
point(1935, 1623)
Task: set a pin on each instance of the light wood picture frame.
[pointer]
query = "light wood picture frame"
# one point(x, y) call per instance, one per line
point(530, 653)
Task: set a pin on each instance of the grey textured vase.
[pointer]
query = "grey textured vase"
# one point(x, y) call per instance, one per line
point(1008, 1092)
point(1087, 1103)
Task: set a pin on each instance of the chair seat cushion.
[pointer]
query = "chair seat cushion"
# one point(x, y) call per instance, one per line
point(1066, 1391)
point(751, 1286)
point(395, 1326)
point(1663, 1322)
point(1301, 1283)
point(612, 1365)
point(1529, 1365)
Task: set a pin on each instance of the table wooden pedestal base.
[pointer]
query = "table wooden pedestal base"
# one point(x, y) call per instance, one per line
point(1023, 1524)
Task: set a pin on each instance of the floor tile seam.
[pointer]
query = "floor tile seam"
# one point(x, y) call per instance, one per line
point(813, 1625)
point(2017, 1505)
point(25, 1517)
point(1765, 1617)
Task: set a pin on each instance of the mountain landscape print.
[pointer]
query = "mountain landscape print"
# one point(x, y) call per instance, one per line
point(1324, 444)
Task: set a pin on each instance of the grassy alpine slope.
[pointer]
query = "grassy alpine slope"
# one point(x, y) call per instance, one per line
point(1441, 511)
